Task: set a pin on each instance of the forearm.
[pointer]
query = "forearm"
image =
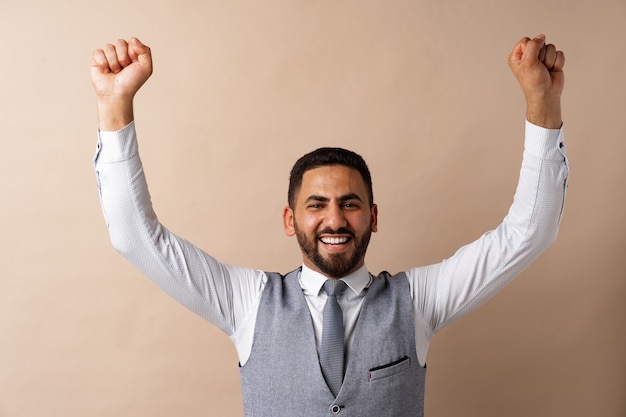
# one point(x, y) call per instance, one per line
point(533, 220)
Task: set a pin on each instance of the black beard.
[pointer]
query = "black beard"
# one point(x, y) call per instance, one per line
point(336, 265)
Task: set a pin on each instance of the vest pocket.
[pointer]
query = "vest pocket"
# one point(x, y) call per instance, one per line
point(390, 369)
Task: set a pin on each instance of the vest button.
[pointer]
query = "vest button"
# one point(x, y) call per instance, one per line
point(335, 409)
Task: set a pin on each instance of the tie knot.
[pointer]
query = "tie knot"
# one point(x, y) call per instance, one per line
point(334, 286)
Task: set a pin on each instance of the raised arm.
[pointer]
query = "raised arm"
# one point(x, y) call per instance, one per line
point(446, 291)
point(223, 294)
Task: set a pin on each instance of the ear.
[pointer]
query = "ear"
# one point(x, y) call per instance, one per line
point(374, 218)
point(288, 224)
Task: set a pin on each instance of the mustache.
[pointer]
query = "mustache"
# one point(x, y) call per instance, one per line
point(340, 231)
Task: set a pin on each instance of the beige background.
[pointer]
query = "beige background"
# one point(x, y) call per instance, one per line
point(241, 89)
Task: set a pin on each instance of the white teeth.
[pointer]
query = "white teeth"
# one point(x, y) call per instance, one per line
point(334, 240)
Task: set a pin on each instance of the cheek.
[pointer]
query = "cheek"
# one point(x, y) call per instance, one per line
point(360, 222)
point(308, 222)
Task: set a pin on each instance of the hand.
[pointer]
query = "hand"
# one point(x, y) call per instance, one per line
point(121, 69)
point(538, 68)
point(117, 72)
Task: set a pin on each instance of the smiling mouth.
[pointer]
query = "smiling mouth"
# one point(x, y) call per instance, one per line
point(334, 240)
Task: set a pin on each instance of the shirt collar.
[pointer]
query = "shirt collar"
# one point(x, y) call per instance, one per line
point(312, 280)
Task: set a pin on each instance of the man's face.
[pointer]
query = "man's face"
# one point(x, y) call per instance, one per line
point(332, 220)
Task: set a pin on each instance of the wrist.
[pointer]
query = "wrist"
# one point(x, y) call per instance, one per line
point(114, 112)
point(544, 112)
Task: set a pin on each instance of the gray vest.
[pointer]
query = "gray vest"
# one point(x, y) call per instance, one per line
point(282, 377)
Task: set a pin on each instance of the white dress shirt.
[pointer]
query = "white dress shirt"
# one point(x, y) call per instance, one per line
point(228, 296)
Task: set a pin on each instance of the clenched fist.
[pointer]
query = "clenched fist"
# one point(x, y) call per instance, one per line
point(117, 72)
point(538, 68)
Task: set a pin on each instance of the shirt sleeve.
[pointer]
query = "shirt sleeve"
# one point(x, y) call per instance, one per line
point(223, 294)
point(448, 290)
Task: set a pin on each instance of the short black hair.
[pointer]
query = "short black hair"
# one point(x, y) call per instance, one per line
point(327, 157)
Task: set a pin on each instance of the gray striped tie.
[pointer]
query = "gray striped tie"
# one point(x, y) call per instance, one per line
point(331, 350)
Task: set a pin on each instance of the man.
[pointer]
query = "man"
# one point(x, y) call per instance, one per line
point(308, 344)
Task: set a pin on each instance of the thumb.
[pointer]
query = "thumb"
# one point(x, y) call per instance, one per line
point(518, 51)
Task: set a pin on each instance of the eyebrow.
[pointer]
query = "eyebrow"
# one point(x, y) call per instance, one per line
point(347, 197)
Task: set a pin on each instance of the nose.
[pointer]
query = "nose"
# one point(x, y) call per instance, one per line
point(334, 217)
